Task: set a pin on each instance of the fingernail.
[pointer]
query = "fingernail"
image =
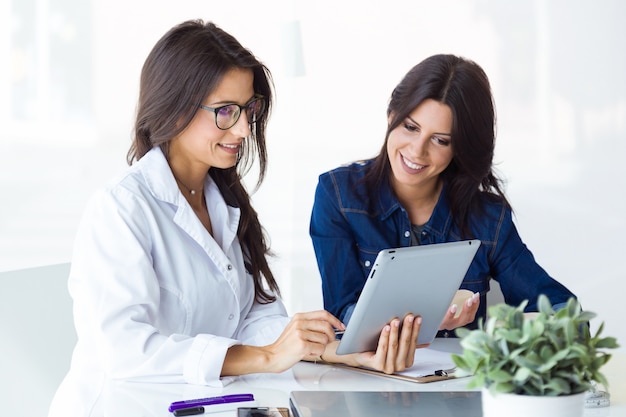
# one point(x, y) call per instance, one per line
point(453, 308)
point(419, 319)
point(410, 319)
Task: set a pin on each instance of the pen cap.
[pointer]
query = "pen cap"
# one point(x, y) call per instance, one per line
point(189, 411)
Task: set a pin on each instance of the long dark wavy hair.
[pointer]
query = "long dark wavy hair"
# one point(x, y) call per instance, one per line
point(463, 86)
point(184, 67)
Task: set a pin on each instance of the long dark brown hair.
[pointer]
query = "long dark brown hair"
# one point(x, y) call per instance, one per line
point(463, 86)
point(184, 67)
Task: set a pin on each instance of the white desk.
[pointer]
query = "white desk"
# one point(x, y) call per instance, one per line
point(273, 390)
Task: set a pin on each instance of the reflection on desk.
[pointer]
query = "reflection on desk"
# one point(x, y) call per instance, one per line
point(143, 399)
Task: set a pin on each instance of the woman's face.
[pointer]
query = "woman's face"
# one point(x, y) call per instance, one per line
point(202, 142)
point(420, 148)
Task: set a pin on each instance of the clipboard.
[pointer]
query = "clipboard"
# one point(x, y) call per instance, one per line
point(430, 365)
point(437, 375)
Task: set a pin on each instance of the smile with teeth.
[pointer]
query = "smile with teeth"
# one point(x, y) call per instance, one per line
point(225, 145)
point(411, 164)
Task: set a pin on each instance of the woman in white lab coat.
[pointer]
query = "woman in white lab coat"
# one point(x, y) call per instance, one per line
point(169, 276)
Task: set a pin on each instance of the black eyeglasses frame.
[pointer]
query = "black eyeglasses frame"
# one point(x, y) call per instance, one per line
point(256, 98)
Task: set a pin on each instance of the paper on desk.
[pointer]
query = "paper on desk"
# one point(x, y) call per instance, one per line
point(427, 361)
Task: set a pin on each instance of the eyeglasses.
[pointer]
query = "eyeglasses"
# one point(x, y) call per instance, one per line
point(226, 116)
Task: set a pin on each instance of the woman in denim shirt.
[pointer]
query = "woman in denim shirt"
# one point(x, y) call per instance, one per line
point(432, 182)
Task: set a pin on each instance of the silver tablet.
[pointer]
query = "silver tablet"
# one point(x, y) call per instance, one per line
point(418, 279)
point(385, 403)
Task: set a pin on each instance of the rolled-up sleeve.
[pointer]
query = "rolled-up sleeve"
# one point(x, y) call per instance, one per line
point(204, 360)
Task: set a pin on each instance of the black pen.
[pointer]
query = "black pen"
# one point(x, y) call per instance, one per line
point(191, 411)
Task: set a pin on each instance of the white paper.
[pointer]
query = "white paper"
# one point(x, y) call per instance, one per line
point(427, 361)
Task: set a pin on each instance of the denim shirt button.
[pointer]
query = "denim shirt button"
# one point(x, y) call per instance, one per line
point(407, 234)
point(367, 263)
point(424, 233)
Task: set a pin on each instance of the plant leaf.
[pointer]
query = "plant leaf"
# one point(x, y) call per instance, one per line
point(557, 386)
point(543, 303)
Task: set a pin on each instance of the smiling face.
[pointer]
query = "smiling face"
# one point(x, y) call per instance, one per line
point(202, 144)
point(420, 149)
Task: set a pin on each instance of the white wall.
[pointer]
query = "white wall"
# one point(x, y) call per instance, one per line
point(68, 92)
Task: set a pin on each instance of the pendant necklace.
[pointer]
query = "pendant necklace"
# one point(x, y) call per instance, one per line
point(192, 192)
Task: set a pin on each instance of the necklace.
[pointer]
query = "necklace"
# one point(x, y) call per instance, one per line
point(192, 192)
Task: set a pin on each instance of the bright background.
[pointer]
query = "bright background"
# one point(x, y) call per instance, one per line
point(69, 80)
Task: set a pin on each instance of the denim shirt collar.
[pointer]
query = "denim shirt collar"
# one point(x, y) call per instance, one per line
point(440, 221)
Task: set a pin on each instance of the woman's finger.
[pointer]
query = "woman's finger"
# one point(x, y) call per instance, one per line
point(417, 324)
point(392, 350)
point(404, 346)
point(319, 321)
point(382, 349)
point(469, 311)
point(321, 315)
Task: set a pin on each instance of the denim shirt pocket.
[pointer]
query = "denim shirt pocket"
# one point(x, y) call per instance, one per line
point(366, 260)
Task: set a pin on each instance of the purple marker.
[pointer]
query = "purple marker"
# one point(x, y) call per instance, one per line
point(209, 401)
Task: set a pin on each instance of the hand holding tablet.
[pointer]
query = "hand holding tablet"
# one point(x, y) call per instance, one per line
point(459, 300)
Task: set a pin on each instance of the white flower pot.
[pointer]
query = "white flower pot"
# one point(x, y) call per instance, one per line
point(513, 405)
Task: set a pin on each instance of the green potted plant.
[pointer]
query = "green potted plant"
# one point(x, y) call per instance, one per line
point(550, 358)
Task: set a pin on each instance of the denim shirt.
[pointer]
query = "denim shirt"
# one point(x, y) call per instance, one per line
point(349, 226)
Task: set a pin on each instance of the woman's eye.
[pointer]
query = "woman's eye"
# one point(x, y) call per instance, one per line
point(441, 141)
point(227, 111)
point(411, 128)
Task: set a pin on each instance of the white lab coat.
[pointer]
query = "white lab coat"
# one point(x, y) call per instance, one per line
point(156, 297)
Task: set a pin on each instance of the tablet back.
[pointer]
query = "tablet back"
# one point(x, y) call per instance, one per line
point(418, 279)
point(382, 403)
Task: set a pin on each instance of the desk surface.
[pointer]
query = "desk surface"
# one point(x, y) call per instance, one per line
point(273, 389)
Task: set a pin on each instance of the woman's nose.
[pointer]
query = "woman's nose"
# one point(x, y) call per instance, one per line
point(419, 145)
point(242, 127)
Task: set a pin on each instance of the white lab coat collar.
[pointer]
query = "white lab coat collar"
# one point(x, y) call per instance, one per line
point(224, 218)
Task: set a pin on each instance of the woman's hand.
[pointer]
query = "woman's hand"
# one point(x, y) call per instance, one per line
point(305, 337)
point(467, 303)
point(395, 351)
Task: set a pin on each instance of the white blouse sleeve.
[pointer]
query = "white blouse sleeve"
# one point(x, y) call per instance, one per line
point(263, 324)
